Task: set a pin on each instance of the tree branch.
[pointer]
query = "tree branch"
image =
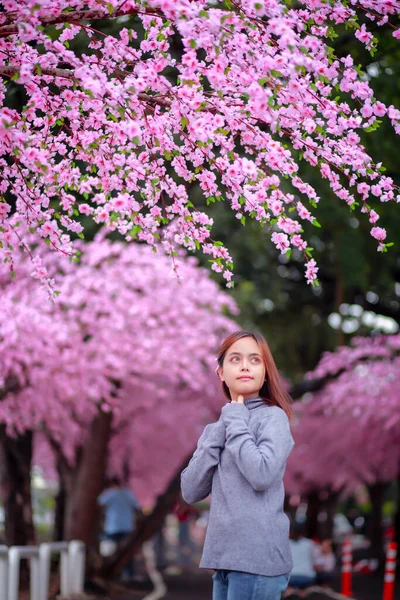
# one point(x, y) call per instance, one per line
point(10, 70)
point(310, 385)
point(10, 27)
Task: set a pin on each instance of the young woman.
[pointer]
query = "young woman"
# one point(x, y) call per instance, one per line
point(241, 460)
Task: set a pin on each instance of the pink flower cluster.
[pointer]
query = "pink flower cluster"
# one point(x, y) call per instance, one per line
point(119, 141)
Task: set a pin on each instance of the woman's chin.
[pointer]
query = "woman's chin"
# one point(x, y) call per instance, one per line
point(247, 390)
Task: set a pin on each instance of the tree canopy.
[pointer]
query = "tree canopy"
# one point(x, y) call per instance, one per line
point(232, 96)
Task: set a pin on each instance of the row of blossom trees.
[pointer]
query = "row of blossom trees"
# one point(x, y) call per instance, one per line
point(348, 432)
point(125, 355)
point(117, 376)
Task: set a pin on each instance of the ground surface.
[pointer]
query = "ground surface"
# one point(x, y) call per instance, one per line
point(198, 586)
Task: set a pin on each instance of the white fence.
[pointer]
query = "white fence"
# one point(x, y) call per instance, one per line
point(72, 569)
point(3, 572)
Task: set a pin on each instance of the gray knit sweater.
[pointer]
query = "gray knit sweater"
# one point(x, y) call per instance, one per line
point(241, 460)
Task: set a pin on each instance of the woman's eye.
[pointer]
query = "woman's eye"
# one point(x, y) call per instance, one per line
point(235, 359)
point(255, 360)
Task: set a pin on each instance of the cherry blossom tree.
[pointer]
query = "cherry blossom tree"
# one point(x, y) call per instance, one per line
point(30, 337)
point(126, 341)
point(348, 433)
point(229, 95)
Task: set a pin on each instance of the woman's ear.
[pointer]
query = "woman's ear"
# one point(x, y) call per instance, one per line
point(220, 374)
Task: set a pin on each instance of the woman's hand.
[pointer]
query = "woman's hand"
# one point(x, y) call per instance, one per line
point(240, 400)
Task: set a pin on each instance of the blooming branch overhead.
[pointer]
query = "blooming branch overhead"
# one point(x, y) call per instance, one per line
point(118, 123)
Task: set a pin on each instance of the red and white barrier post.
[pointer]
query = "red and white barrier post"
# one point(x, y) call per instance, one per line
point(347, 560)
point(390, 572)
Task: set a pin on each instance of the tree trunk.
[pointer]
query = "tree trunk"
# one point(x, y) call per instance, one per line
point(330, 506)
point(376, 493)
point(313, 508)
point(331, 511)
point(340, 339)
point(85, 482)
point(146, 527)
point(397, 519)
point(61, 503)
point(15, 487)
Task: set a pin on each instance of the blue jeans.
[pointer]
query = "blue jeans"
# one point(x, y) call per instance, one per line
point(237, 585)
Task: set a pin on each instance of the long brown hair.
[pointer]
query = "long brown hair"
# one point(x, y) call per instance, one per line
point(272, 391)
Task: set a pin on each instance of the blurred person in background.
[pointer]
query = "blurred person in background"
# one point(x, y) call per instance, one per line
point(303, 552)
point(119, 506)
point(324, 562)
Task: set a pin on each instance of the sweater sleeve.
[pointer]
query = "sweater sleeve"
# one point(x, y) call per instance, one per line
point(258, 462)
point(196, 479)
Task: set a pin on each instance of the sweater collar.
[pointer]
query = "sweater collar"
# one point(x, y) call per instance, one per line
point(253, 402)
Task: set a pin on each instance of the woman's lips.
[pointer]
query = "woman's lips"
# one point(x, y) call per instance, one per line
point(245, 378)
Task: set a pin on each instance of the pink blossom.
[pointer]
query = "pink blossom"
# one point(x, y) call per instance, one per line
point(367, 110)
point(379, 109)
point(311, 271)
point(363, 35)
point(363, 189)
point(379, 233)
point(281, 241)
point(376, 190)
point(298, 241)
point(373, 217)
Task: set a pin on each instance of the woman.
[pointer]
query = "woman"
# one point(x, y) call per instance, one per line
point(241, 459)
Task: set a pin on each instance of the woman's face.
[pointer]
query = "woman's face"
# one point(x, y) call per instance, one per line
point(243, 368)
